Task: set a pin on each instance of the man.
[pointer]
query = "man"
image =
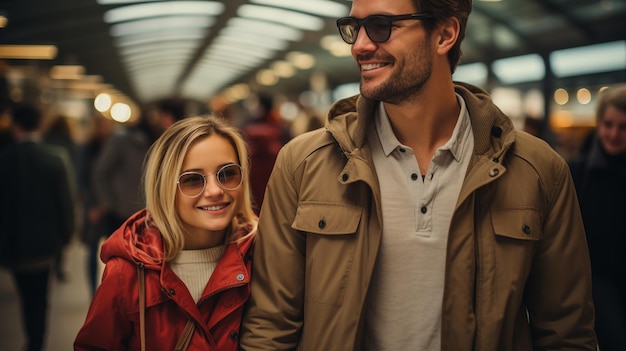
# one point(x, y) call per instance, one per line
point(419, 219)
point(599, 175)
point(36, 216)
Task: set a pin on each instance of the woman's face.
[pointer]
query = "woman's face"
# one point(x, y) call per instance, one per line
point(612, 131)
point(207, 216)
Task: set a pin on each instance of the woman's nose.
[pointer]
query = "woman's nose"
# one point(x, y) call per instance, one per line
point(212, 187)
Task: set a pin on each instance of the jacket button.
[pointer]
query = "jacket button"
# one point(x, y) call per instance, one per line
point(423, 209)
point(234, 335)
point(240, 277)
point(494, 172)
point(344, 177)
point(526, 229)
point(414, 176)
point(321, 224)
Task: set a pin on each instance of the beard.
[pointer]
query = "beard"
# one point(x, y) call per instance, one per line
point(407, 79)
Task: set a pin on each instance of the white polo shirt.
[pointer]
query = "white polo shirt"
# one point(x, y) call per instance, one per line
point(404, 304)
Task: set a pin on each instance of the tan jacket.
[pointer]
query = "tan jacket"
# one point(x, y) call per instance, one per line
point(517, 275)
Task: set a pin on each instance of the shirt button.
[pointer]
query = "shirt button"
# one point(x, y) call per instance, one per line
point(414, 176)
point(423, 209)
point(344, 177)
point(494, 172)
point(402, 150)
point(240, 277)
point(526, 229)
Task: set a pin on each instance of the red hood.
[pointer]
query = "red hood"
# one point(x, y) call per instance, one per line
point(136, 242)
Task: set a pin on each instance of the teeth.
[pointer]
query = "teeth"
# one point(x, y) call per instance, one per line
point(370, 66)
point(213, 208)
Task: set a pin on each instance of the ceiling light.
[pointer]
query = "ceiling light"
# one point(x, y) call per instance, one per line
point(102, 102)
point(166, 63)
point(158, 48)
point(525, 68)
point(301, 60)
point(337, 47)
point(226, 49)
point(67, 72)
point(28, 52)
point(605, 57)
point(473, 73)
point(252, 41)
point(317, 7)
point(146, 56)
point(161, 24)
point(266, 77)
point(290, 18)
point(120, 112)
point(167, 8)
point(226, 62)
point(140, 39)
point(283, 69)
point(239, 24)
point(561, 97)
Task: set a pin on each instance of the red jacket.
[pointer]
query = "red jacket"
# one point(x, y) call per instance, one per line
point(112, 321)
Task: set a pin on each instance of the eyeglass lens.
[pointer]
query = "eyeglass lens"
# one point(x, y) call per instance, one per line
point(192, 184)
point(378, 28)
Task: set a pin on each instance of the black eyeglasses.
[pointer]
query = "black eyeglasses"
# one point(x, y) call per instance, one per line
point(192, 184)
point(377, 27)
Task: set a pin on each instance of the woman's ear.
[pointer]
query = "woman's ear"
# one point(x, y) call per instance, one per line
point(448, 34)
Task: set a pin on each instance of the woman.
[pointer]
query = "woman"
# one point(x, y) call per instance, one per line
point(177, 272)
point(599, 175)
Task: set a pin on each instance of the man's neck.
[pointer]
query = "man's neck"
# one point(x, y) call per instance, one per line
point(426, 123)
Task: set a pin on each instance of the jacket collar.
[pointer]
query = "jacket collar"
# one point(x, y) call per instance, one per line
point(492, 129)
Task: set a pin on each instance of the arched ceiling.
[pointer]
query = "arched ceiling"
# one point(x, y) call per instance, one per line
point(205, 61)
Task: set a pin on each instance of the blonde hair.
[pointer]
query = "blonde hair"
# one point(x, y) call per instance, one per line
point(614, 96)
point(164, 163)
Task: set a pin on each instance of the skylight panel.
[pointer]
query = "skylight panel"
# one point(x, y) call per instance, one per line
point(169, 8)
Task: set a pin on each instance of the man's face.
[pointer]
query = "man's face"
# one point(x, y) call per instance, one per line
point(396, 70)
point(612, 131)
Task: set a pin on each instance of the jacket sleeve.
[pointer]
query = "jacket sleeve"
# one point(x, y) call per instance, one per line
point(558, 291)
point(273, 318)
point(107, 325)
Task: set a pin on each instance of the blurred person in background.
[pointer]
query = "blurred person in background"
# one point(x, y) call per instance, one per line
point(36, 216)
point(93, 228)
point(6, 136)
point(600, 177)
point(189, 250)
point(59, 133)
point(419, 218)
point(266, 134)
point(118, 169)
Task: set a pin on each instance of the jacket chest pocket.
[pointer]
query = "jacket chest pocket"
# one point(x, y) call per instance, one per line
point(517, 224)
point(517, 234)
point(331, 240)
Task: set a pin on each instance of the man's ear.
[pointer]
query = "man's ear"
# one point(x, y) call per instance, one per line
point(448, 34)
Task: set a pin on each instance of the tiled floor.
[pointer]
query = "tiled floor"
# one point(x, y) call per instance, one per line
point(68, 304)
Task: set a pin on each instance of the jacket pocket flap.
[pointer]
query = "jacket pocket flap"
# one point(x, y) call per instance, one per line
point(327, 218)
point(520, 224)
